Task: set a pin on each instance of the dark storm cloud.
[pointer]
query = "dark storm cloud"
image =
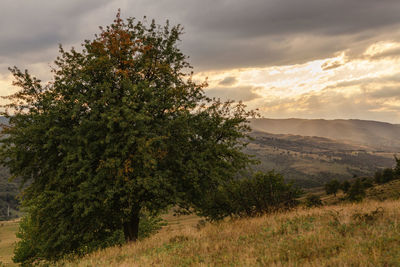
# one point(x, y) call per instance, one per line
point(30, 31)
point(259, 32)
point(220, 34)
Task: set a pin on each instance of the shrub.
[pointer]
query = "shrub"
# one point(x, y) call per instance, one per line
point(345, 186)
point(332, 187)
point(378, 176)
point(356, 191)
point(262, 193)
point(367, 182)
point(313, 200)
point(387, 175)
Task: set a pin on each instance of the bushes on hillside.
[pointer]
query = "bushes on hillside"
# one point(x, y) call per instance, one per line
point(262, 193)
point(388, 174)
point(345, 186)
point(356, 191)
point(332, 187)
point(313, 200)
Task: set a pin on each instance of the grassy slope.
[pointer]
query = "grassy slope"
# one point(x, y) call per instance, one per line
point(365, 234)
point(253, 235)
point(389, 190)
point(7, 240)
point(312, 161)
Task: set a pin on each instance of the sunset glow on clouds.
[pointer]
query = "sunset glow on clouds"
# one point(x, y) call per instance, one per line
point(289, 58)
point(367, 87)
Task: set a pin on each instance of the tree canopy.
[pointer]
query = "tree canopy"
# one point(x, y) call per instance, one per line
point(121, 128)
point(332, 187)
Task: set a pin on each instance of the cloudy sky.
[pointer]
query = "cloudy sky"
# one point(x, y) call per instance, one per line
point(288, 58)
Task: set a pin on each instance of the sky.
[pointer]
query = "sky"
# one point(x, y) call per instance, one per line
point(330, 59)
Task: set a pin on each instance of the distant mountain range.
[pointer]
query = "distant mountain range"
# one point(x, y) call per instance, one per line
point(311, 152)
point(377, 135)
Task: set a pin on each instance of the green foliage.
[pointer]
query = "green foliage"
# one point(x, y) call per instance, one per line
point(388, 174)
point(384, 176)
point(260, 194)
point(367, 182)
point(356, 191)
point(26, 250)
point(121, 129)
point(150, 225)
point(345, 186)
point(332, 187)
point(397, 167)
point(313, 200)
point(30, 249)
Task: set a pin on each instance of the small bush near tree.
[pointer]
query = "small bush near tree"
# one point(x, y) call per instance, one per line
point(356, 191)
point(345, 186)
point(397, 167)
point(332, 187)
point(388, 174)
point(260, 194)
point(313, 200)
point(367, 182)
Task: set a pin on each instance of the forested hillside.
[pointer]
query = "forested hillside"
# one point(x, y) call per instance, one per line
point(379, 135)
point(312, 161)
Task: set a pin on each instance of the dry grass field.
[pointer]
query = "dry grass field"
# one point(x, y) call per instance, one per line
point(360, 234)
point(364, 234)
point(7, 240)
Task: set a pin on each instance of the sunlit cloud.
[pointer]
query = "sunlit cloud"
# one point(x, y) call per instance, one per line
point(364, 87)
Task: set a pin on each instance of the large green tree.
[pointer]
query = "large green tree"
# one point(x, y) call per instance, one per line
point(120, 129)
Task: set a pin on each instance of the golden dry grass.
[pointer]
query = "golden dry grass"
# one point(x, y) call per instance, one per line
point(7, 241)
point(365, 234)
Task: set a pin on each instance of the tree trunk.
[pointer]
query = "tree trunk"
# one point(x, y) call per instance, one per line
point(131, 228)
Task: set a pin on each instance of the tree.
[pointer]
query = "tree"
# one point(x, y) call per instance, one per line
point(313, 200)
point(345, 186)
point(388, 175)
point(367, 182)
point(397, 167)
point(356, 191)
point(121, 129)
point(332, 187)
point(378, 176)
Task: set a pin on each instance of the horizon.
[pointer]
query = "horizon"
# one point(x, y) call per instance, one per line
point(334, 119)
point(289, 59)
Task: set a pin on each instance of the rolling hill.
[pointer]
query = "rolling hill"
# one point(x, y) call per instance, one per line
point(312, 152)
point(377, 135)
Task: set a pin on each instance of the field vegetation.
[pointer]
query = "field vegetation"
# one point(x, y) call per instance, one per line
point(124, 134)
point(361, 234)
point(7, 241)
point(325, 235)
point(311, 161)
